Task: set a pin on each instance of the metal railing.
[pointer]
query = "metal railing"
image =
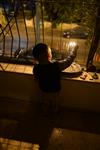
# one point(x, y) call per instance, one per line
point(27, 23)
point(12, 38)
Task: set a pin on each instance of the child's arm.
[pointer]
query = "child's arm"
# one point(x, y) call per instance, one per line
point(63, 64)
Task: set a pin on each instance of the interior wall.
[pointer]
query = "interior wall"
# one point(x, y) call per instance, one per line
point(74, 93)
point(81, 94)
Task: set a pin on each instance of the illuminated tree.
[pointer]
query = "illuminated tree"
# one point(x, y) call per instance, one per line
point(79, 11)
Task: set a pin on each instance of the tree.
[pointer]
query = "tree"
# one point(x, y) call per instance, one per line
point(58, 11)
point(82, 12)
point(79, 11)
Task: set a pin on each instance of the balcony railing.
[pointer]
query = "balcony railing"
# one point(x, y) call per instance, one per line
point(25, 23)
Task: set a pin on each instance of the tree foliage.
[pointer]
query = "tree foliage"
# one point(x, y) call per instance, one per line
point(82, 12)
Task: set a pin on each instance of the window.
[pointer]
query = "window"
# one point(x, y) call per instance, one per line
point(55, 23)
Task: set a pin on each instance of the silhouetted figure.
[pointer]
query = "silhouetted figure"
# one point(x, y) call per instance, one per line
point(48, 73)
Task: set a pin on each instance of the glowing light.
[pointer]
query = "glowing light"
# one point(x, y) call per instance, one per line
point(72, 44)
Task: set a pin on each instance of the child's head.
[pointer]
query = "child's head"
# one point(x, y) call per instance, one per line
point(42, 52)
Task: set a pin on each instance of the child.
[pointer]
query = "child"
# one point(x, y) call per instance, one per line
point(48, 72)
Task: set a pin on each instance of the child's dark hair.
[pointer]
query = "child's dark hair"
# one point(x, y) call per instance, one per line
point(39, 49)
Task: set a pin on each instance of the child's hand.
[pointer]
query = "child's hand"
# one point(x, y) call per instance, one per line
point(73, 50)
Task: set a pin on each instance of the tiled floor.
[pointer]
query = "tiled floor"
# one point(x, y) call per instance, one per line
point(69, 130)
point(8, 144)
point(63, 139)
